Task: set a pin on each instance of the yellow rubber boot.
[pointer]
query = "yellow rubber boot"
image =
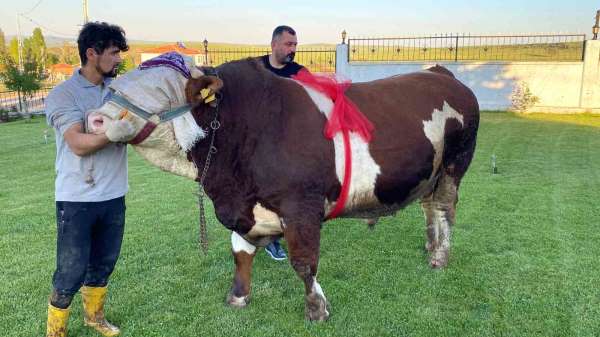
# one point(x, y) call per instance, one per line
point(93, 307)
point(57, 321)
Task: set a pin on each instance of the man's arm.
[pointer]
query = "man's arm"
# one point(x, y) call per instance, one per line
point(83, 144)
point(65, 117)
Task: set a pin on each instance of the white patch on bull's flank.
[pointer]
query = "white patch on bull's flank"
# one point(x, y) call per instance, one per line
point(435, 129)
point(364, 168)
point(265, 223)
point(239, 244)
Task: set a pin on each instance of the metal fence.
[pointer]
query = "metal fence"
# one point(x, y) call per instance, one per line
point(449, 47)
point(12, 101)
point(319, 60)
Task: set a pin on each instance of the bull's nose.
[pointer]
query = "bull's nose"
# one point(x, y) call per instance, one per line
point(96, 122)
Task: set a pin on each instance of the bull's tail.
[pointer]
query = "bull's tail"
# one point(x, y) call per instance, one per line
point(441, 70)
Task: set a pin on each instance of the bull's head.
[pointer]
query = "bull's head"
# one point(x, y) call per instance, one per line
point(143, 96)
point(154, 101)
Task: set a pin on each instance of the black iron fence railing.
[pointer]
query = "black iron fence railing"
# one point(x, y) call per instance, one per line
point(13, 101)
point(449, 47)
point(320, 60)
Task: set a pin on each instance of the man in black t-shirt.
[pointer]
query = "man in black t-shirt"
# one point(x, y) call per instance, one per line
point(283, 49)
point(281, 62)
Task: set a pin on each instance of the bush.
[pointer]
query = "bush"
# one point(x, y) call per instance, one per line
point(4, 117)
point(522, 98)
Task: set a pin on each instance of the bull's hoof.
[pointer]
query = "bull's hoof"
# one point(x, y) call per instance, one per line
point(439, 259)
point(371, 222)
point(238, 302)
point(316, 308)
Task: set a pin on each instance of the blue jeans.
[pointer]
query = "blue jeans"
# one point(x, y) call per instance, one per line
point(88, 244)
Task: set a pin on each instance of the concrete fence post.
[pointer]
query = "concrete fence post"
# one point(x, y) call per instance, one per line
point(590, 83)
point(341, 60)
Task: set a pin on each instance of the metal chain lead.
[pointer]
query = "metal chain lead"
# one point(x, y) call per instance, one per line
point(202, 235)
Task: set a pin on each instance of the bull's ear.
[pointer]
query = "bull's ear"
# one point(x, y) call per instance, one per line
point(200, 90)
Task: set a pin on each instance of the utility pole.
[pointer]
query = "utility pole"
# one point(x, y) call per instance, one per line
point(19, 44)
point(596, 26)
point(85, 12)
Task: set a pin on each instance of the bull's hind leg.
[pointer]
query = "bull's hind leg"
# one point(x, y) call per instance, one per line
point(243, 254)
point(303, 239)
point(439, 209)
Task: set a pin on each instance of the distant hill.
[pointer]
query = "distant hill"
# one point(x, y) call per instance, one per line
point(51, 41)
point(56, 41)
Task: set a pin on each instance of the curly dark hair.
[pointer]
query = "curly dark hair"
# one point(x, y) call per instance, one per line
point(100, 36)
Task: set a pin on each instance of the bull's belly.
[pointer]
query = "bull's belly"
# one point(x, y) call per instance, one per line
point(362, 206)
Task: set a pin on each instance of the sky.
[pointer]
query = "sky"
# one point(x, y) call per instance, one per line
point(322, 21)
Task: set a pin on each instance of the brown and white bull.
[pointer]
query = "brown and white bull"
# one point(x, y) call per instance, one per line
point(274, 173)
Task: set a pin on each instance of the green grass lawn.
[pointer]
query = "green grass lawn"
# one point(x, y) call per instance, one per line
point(524, 259)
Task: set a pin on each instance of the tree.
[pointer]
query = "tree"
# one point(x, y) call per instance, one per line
point(68, 54)
point(24, 82)
point(13, 49)
point(37, 46)
point(52, 59)
point(33, 48)
point(126, 65)
point(2, 42)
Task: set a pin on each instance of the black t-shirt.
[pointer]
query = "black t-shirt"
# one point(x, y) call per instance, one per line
point(287, 71)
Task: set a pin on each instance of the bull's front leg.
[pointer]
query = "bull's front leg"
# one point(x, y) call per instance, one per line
point(303, 240)
point(243, 255)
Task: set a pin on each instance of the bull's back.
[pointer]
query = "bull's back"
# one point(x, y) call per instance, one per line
point(411, 98)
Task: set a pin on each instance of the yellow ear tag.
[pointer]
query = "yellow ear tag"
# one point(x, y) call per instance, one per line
point(207, 96)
